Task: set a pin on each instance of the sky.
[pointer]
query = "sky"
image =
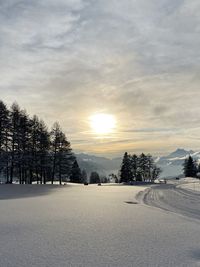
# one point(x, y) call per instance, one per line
point(139, 61)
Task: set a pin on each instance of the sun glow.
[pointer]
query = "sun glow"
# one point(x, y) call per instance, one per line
point(102, 123)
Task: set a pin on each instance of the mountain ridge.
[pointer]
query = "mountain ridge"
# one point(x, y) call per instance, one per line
point(170, 164)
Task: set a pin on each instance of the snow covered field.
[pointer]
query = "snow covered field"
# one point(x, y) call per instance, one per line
point(92, 226)
point(190, 184)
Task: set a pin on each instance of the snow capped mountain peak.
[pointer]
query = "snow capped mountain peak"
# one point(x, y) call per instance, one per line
point(180, 152)
point(172, 165)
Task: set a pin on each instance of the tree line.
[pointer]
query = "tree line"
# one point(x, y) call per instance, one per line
point(138, 168)
point(191, 168)
point(30, 152)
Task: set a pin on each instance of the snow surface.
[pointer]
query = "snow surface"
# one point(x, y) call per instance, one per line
point(93, 226)
point(192, 184)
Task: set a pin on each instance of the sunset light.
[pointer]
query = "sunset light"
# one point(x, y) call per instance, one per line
point(102, 124)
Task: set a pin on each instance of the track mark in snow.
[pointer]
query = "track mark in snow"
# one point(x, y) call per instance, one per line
point(174, 199)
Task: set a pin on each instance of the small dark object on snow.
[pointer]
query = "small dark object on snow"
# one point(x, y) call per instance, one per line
point(85, 183)
point(177, 178)
point(99, 184)
point(131, 202)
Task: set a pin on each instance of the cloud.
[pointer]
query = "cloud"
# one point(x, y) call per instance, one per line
point(138, 60)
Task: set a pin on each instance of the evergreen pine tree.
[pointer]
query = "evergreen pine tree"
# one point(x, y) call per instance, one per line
point(138, 168)
point(149, 167)
point(126, 172)
point(84, 176)
point(134, 166)
point(94, 178)
point(143, 167)
point(189, 167)
point(76, 175)
point(155, 172)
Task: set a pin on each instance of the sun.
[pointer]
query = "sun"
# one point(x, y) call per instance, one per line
point(102, 124)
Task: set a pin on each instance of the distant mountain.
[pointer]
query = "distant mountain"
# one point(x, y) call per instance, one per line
point(102, 165)
point(171, 165)
point(180, 153)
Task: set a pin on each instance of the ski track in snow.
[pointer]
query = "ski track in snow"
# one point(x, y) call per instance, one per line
point(93, 226)
point(174, 198)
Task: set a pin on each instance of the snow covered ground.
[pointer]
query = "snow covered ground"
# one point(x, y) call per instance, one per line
point(190, 184)
point(92, 226)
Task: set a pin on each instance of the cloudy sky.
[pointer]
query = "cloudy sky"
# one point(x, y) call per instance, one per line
point(66, 60)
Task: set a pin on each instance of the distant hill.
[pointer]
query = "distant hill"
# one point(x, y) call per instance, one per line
point(102, 165)
point(171, 165)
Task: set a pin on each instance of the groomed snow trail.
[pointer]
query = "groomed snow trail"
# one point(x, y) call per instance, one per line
point(91, 226)
point(175, 199)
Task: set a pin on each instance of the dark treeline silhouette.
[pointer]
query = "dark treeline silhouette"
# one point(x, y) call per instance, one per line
point(29, 152)
point(138, 168)
point(191, 168)
point(94, 178)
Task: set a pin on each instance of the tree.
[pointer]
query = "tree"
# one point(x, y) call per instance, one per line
point(150, 167)
point(24, 148)
point(189, 167)
point(126, 172)
point(62, 157)
point(43, 151)
point(4, 129)
point(113, 177)
point(34, 149)
point(65, 158)
point(138, 168)
point(55, 141)
point(94, 178)
point(14, 139)
point(28, 151)
point(155, 173)
point(76, 175)
point(104, 179)
point(143, 167)
point(84, 176)
point(134, 166)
